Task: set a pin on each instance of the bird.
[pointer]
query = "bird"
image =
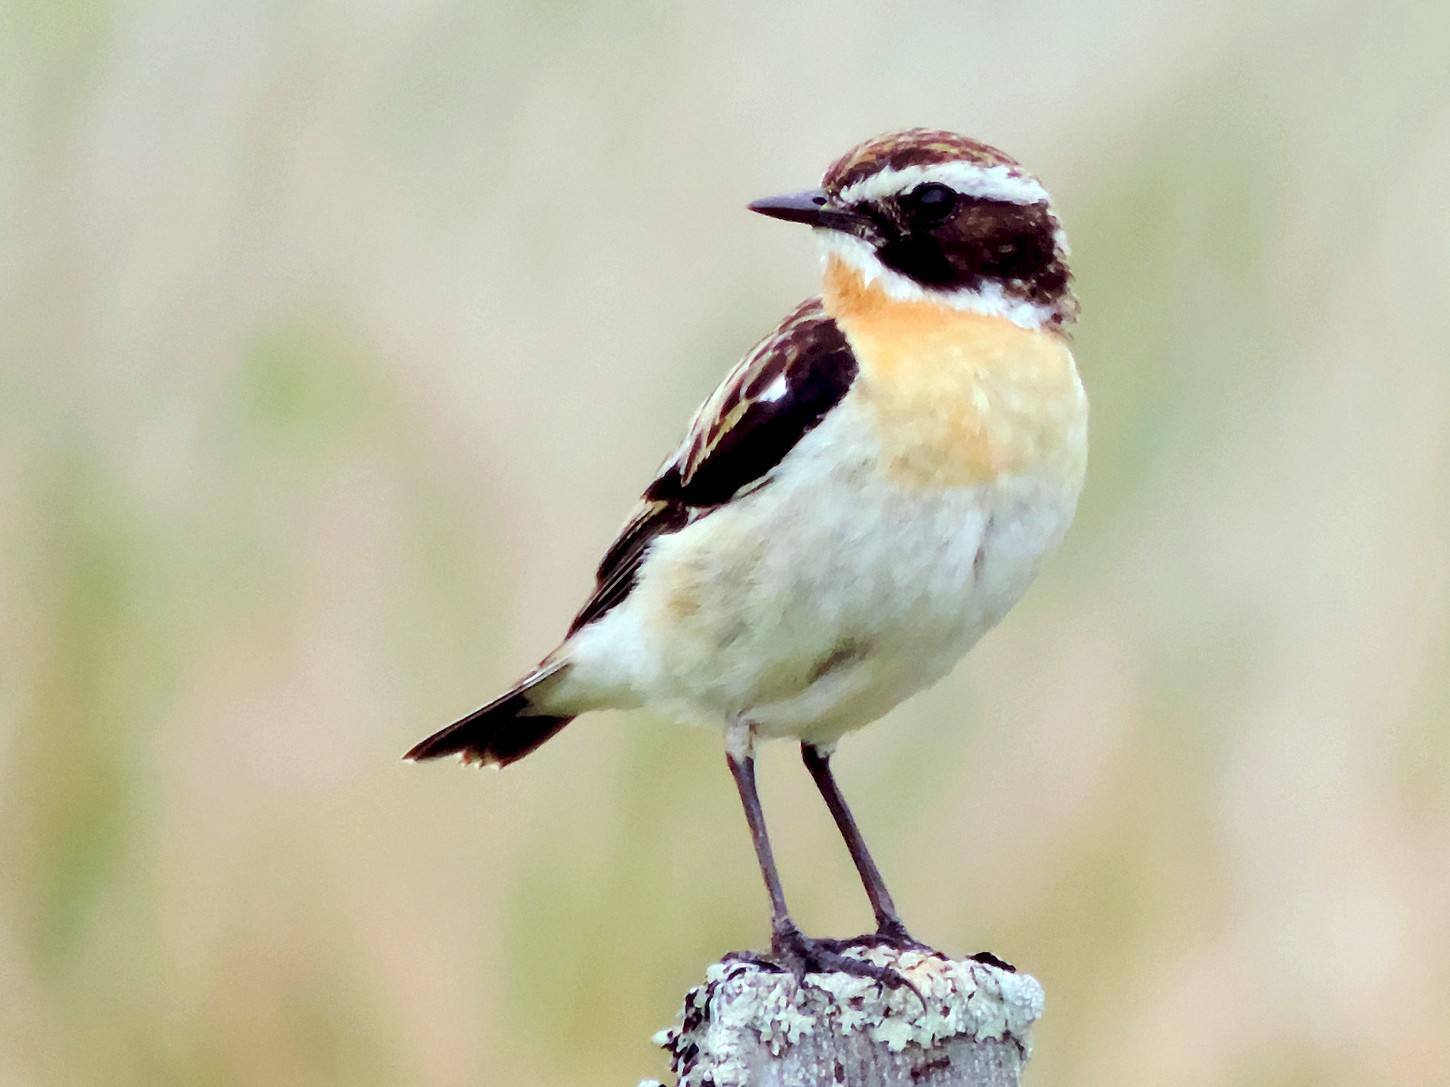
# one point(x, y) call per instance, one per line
point(862, 498)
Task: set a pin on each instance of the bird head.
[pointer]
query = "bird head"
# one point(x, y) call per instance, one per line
point(934, 216)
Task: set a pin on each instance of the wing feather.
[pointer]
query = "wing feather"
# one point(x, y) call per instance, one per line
point(764, 407)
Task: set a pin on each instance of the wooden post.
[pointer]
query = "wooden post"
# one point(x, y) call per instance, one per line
point(750, 1025)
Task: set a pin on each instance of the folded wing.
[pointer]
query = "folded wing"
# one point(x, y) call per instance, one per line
point(772, 399)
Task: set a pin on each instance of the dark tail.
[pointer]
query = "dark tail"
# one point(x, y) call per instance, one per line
point(504, 731)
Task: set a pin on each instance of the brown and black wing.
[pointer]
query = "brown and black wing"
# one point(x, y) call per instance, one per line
point(777, 394)
point(768, 403)
point(615, 577)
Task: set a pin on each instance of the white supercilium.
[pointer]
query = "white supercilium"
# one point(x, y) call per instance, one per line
point(968, 178)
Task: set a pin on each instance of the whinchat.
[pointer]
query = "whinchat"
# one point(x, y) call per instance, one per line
point(864, 496)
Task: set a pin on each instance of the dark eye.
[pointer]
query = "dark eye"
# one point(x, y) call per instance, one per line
point(930, 203)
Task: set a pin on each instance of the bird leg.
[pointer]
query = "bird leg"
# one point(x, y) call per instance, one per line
point(743, 770)
point(793, 950)
point(889, 929)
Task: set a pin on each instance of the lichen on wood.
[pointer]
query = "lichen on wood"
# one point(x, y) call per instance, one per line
point(752, 1025)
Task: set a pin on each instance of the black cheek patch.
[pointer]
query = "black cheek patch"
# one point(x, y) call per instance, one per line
point(987, 241)
point(921, 257)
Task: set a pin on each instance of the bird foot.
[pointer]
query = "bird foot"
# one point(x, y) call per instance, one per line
point(892, 933)
point(800, 955)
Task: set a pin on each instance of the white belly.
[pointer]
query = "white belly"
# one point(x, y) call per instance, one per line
point(815, 604)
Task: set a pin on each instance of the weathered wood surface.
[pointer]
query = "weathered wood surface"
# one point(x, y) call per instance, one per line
point(751, 1026)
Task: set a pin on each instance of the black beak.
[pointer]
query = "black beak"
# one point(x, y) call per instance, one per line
point(814, 208)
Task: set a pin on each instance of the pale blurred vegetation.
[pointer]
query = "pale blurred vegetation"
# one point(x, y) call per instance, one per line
point(338, 338)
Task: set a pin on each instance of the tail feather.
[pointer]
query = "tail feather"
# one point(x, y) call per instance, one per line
point(504, 731)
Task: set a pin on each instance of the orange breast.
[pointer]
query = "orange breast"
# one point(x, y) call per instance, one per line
point(959, 397)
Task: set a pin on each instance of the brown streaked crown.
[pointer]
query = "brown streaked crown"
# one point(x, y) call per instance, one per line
point(909, 147)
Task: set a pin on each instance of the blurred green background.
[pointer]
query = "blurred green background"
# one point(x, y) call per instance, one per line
point(336, 339)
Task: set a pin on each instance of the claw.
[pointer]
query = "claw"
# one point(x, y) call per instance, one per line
point(892, 933)
point(801, 955)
